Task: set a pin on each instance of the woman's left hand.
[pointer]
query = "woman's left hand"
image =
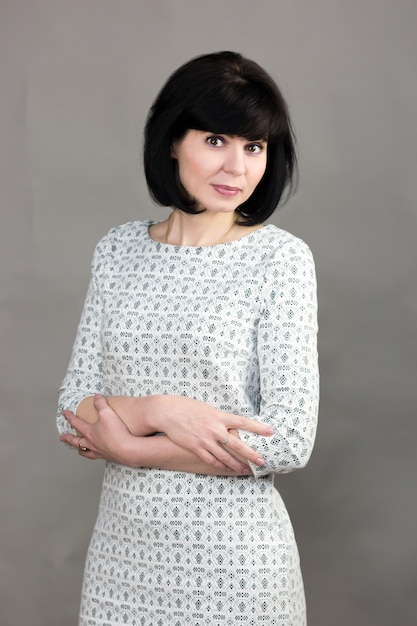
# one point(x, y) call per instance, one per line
point(107, 438)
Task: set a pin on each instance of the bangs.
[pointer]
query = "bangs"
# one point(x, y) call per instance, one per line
point(242, 110)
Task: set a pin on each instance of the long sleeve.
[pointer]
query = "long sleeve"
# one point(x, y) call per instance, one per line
point(152, 323)
point(84, 374)
point(288, 363)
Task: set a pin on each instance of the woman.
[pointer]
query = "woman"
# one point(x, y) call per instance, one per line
point(200, 329)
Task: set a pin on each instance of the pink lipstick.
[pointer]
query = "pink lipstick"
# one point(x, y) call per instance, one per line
point(225, 190)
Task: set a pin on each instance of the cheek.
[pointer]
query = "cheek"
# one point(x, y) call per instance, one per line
point(192, 172)
point(183, 170)
point(258, 173)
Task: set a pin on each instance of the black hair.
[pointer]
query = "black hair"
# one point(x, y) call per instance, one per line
point(223, 93)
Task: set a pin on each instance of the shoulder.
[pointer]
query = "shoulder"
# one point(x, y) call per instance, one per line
point(281, 246)
point(289, 274)
point(117, 244)
point(119, 237)
point(288, 263)
point(131, 231)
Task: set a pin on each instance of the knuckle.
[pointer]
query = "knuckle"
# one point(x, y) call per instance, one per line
point(194, 446)
point(225, 458)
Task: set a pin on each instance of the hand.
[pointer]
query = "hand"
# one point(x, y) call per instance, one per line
point(208, 432)
point(107, 438)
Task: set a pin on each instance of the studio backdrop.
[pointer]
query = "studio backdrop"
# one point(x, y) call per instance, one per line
point(77, 79)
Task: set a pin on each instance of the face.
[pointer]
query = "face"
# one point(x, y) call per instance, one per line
point(219, 171)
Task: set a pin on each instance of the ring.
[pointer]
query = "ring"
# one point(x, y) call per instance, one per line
point(82, 448)
point(225, 440)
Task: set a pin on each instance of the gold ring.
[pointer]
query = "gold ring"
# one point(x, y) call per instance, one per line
point(225, 440)
point(82, 448)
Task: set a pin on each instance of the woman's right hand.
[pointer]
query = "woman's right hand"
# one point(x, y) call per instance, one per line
point(204, 430)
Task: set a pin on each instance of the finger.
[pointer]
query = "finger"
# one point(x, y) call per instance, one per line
point(210, 459)
point(246, 423)
point(104, 410)
point(235, 444)
point(75, 442)
point(231, 462)
point(100, 402)
point(76, 422)
point(71, 440)
point(215, 450)
point(237, 467)
point(218, 450)
point(233, 448)
point(90, 455)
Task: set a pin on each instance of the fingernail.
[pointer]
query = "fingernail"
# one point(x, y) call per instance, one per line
point(245, 470)
point(259, 462)
point(269, 431)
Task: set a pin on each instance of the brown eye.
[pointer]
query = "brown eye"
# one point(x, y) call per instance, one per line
point(215, 141)
point(254, 148)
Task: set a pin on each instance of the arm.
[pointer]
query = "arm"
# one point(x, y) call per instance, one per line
point(84, 376)
point(109, 438)
point(84, 373)
point(189, 423)
point(193, 427)
point(287, 353)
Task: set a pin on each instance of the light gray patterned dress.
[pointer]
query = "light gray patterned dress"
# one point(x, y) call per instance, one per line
point(233, 325)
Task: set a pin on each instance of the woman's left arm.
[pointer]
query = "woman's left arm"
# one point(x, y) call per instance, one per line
point(109, 438)
point(288, 362)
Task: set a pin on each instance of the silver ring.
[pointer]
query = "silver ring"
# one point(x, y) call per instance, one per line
point(82, 448)
point(225, 440)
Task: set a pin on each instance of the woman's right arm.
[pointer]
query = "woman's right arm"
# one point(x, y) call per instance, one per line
point(84, 375)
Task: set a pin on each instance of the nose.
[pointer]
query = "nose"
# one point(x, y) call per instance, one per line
point(235, 162)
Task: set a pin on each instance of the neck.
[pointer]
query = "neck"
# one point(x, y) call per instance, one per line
point(204, 229)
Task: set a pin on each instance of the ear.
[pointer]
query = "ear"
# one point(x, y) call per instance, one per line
point(174, 150)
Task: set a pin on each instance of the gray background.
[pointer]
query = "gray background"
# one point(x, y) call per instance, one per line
point(77, 78)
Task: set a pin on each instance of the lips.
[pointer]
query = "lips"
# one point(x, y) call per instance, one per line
point(226, 190)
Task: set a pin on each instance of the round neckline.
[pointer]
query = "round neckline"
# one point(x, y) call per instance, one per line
point(150, 223)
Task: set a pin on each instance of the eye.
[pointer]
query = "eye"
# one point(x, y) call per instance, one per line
point(255, 148)
point(215, 141)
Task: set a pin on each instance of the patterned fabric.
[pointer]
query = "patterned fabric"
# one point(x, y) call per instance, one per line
point(233, 325)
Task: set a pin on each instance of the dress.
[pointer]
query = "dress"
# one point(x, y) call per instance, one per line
point(233, 325)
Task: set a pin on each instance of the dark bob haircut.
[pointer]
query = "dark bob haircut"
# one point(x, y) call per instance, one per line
point(226, 94)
